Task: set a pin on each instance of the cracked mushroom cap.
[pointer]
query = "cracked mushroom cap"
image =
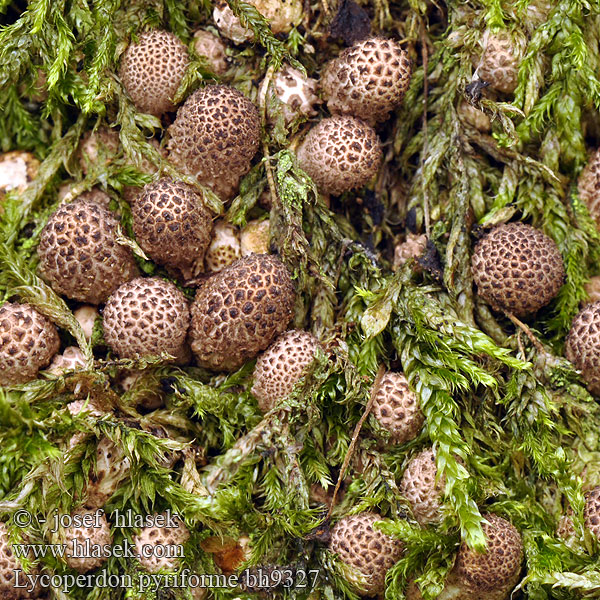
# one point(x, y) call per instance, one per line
point(112, 468)
point(211, 46)
point(420, 488)
point(8, 565)
point(229, 25)
point(239, 311)
point(224, 247)
point(588, 186)
point(517, 268)
point(28, 341)
point(340, 154)
point(152, 69)
point(86, 525)
point(365, 548)
point(397, 408)
point(582, 346)
point(169, 539)
point(80, 256)
point(215, 136)
point(71, 359)
point(499, 64)
point(281, 366)
point(367, 80)
point(172, 225)
point(296, 93)
point(146, 317)
point(497, 569)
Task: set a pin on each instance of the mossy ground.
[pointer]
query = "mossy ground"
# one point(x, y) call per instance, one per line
point(524, 428)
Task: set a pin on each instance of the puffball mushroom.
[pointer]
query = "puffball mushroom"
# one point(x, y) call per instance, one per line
point(492, 574)
point(28, 341)
point(239, 311)
point(588, 186)
point(367, 80)
point(167, 538)
point(12, 573)
point(368, 550)
point(420, 488)
point(112, 468)
point(281, 366)
point(499, 64)
point(210, 46)
point(17, 170)
point(582, 346)
point(396, 408)
point(172, 225)
point(215, 136)
point(591, 511)
point(340, 154)
point(86, 316)
point(84, 530)
point(71, 359)
point(79, 253)
point(296, 93)
point(255, 236)
point(281, 15)
point(146, 317)
point(101, 143)
point(517, 268)
point(152, 70)
point(224, 247)
point(592, 289)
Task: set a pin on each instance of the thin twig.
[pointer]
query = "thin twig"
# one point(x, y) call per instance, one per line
point(527, 332)
point(355, 435)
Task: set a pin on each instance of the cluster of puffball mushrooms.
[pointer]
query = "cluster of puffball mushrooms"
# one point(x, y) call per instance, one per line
point(244, 299)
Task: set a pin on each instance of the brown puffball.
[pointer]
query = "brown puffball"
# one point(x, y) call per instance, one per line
point(340, 154)
point(239, 311)
point(591, 511)
point(517, 268)
point(152, 70)
point(396, 408)
point(28, 341)
point(582, 347)
point(212, 48)
point(361, 546)
point(169, 539)
point(499, 63)
point(494, 573)
point(12, 572)
point(79, 253)
point(146, 317)
point(172, 225)
point(420, 488)
point(367, 80)
point(215, 136)
point(588, 186)
point(79, 533)
point(281, 366)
